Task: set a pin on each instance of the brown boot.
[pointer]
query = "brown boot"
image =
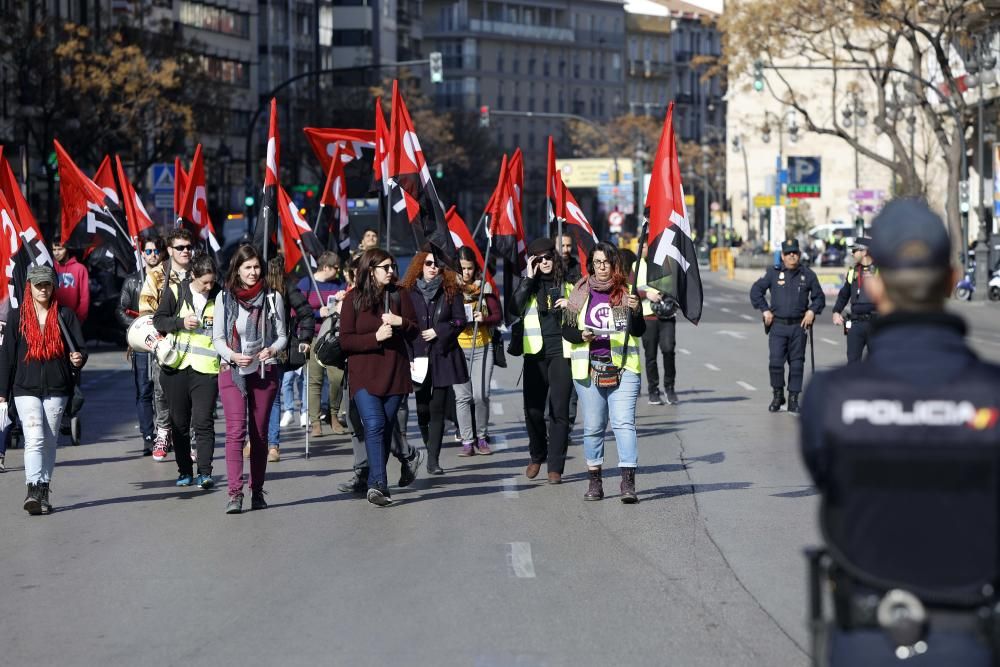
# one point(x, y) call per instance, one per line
point(596, 489)
point(317, 430)
point(531, 472)
point(628, 486)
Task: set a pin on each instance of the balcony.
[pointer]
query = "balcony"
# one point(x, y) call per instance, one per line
point(515, 30)
point(649, 69)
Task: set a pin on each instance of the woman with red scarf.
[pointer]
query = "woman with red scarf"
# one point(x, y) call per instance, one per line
point(38, 369)
point(248, 332)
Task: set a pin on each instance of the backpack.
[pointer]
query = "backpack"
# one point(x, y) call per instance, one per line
point(327, 348)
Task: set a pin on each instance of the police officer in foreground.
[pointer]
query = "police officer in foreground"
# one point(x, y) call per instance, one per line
point(905, 454)
point(857, 325)
point(796, 300)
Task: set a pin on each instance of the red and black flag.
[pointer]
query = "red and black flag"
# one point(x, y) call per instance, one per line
point(29, 231)
point(551, 189)
point(135, 213)
point(462, 238)
point(180, 185)
point(194, 206)
point(333, 229)
point(88, 215)
point(505, 227)
point(265, 232)
point(105, 180)
point(380, 164)
point(413, 199)
point(326, 140)
point(574, 222)
point(671, 260)
point(296, 235)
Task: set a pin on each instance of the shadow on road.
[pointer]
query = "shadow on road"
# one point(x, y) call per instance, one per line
point(690, 489)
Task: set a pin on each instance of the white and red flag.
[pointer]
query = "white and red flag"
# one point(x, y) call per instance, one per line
point(326, 140)
point(574, 222)
point(333, 224)
point(265, 231)
point(194, 205)
point(135, 212)
point(296, 234)
point(462, 238)
point(672, 261)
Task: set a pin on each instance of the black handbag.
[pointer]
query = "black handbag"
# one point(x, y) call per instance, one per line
point(516, 346)
point(327, 347)
point(499, 358)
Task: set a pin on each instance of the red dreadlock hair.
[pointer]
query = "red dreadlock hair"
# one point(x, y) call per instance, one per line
point(42, 345)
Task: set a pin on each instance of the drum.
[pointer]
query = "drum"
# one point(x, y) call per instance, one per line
point(142, 336)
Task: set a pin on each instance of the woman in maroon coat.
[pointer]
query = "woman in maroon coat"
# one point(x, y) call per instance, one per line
point(376, 321)
point(440, 316)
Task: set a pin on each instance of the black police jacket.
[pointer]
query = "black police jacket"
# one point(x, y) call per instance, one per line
point(854, 292)
point(792, 293)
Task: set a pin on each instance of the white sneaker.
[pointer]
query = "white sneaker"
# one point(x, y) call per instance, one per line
point(304, 420)
point(286, 418)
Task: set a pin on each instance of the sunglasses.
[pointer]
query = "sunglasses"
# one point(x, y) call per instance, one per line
point(794, 252)
point(151, 251)
point(547, 257)
point(182, 248)
point(388, 267)
point(430, 262)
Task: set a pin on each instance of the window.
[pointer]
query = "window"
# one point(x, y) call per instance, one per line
point(303, 24)
point(215, 19)
point(499, 61)
point(223, 70)
point(351, 38)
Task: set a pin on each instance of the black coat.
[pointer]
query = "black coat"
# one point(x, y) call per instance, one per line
point(447, 317)
point(55, 377)
point(128, 300)
point(792, 292)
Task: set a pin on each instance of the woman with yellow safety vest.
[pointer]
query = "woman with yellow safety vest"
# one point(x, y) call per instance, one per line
point(190, 380)
point(538, 300)
point(603, 325)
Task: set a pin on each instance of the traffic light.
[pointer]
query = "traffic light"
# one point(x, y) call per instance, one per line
point(437, 67)
point(439, 170)
point(484, 116)
point(963, 196)
point(249, 199)
point(758, 76)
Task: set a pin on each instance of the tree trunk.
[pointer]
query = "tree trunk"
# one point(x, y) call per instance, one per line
point(953, 213)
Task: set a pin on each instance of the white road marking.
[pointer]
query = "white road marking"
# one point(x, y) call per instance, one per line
point(746, 385)
point(509, 487)
point(725, 310)
point(683, 351)
point(747, 317)
point(497, 408)
point(493, 384)
point(498, 442)
point(519, 559)
point(711, 367)
point(732, 334)
point(828, 341)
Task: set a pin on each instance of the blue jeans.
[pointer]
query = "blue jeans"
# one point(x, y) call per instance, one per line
point(376, 412)
point(274, 426)
point(290, 382)
point(596, 405)
point(143, 394)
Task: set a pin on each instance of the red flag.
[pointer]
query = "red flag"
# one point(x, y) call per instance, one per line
point(505, 228)
point(194, 206)
point(180, 185)
point(29, 226)
point(462, 237)
point(380, 166)
point(265, 232)
point(135, 213)
point(517, 175)
point(672, 261)
point(295, 232)
point(88, 220)
point(412, 196)
point(105, 180)
point(325, 140)
point(575, 223)
point(550, 181)
point(336, 225)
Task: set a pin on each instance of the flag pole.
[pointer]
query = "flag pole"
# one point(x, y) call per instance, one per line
point(635, 282)
point(265, 213)
point(388, 224)
point(475, 333)
point(312, 278)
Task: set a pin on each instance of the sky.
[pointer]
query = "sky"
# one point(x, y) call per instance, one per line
point(652, 8)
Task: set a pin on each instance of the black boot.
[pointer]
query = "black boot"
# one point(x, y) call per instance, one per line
point(356, 484)
point(671, 395)
point(777, 401)
point(596, 489)
point(793, 401)
point(43, 498)
point(628, 486)
point(32, 501)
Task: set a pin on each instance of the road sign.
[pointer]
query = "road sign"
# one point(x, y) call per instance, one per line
point(767, 201)
point(163, 177)
point(164, 201)
point(863, 195)
point(804, 176)
point(615, 221)
point(802, 190)
point(779, 220)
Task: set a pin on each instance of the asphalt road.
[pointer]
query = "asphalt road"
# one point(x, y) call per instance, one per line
point(481, 567)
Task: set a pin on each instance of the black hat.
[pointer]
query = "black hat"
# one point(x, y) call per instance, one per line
point(791, 245)
point(541, 246)
point(909, 235)
point(862, 243)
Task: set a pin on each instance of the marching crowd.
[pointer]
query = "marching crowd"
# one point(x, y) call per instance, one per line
point(244, 336)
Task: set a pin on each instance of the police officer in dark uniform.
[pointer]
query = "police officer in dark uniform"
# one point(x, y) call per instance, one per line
point(796, 300)
point(858, 323)
point(904, 448)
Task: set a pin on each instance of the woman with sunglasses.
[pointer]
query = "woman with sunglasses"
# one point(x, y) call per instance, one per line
point(440, 316)
point(249, 332)
point(376, 321)
point(474, 395)
point(547, 385)
point(603, 324)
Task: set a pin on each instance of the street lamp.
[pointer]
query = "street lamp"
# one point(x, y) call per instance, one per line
point(856, 116)
point(739, 146)
point(980, 65)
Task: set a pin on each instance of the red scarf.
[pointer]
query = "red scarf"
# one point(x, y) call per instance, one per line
point(248, 294)
point(42, 345)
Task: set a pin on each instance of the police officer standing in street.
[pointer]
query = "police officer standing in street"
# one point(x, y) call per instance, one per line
point(796, 300)
point(904, 448)
point(857, 325)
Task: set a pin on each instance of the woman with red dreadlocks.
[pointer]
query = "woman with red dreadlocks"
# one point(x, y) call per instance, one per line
point(38, 370)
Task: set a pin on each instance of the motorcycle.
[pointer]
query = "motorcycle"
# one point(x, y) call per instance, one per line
point(994, 286)
point(967, 285)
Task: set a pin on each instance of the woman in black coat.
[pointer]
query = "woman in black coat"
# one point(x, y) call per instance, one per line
point(437, 300)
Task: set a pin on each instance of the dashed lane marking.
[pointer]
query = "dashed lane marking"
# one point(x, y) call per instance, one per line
point(746, 317)
point(712, 367)
point(498, 442)
point(683, 351)
point(828, 341)
point(725, 310)
point(508, 487)
point(493, 384)
point(746, 385)
point(519, 560)
point(497, 408)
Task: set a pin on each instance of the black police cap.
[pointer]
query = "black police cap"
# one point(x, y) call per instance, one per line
point(862, 243)
point(791, 245)
point(907, 234)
